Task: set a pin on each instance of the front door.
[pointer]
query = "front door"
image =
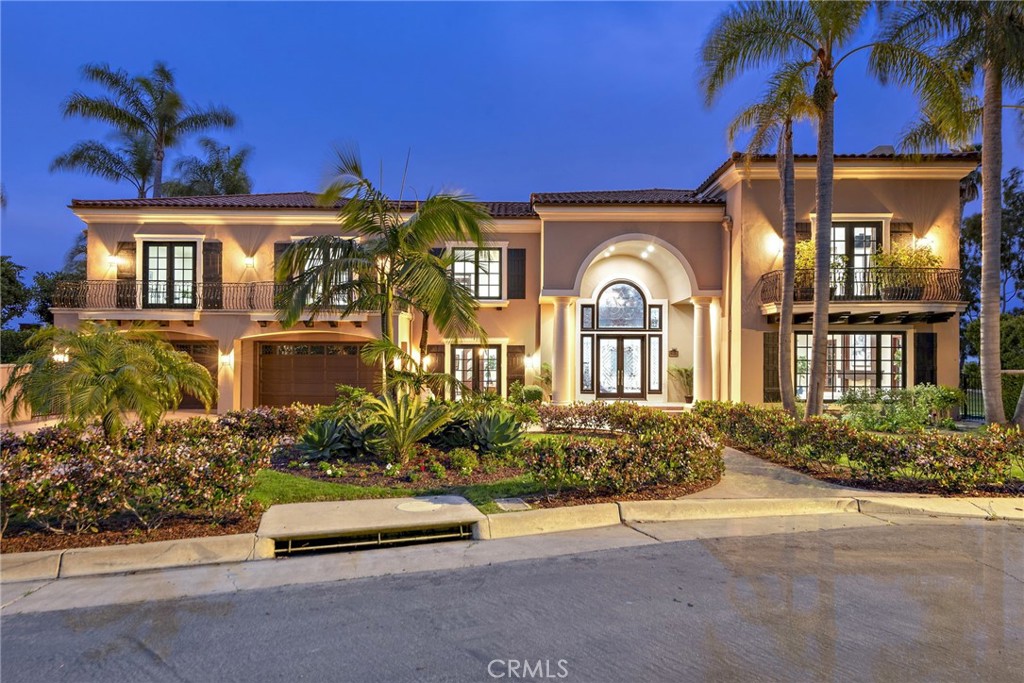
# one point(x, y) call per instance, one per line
point(620, 367)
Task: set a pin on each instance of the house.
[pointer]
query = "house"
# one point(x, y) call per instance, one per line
point(610, 288)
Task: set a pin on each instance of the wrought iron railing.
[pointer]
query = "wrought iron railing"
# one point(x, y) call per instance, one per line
point(870, 284)
point(131, 294)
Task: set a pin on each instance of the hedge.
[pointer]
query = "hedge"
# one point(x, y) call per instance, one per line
point(953, 462)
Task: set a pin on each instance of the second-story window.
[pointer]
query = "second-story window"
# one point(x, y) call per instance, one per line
point(478, 270)
point(169, 272)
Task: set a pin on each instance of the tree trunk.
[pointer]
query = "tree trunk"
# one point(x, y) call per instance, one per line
point(788, 190)
point(991, 228)
point(822, 251)
point(158, 170)
point(424, 335)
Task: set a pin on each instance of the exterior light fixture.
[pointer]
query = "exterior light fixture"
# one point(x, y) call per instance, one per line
point(772, 243)
point(227, 360)
point(113, 261)
point(428, 360)
point(61, 356)
point(649, 249)
point(611, 248)
point(925, 242)
point(249, 261)
point(645, 254)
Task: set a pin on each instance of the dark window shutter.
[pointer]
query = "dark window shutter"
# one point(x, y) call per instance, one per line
point(925, 359)
point(279, 249)
point(803, 232)
point(516, 364)
point(437, 251)
point(125, 260)
point(516, 273)
point(126, 286)
point(435, 352)
point(901, 234)
point(213, 275)
point(772, 393)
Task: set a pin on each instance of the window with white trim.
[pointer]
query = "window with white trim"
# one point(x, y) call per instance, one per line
point(478, 270)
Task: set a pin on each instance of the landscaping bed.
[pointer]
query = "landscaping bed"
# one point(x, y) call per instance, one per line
point(983, 462)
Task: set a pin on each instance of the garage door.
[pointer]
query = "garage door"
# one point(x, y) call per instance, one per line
point(206, 355)
point(308, 373)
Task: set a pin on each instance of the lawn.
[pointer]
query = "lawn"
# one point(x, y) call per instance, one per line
point(274, 488)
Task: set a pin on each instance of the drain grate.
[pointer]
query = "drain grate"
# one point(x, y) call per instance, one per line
point(348, 543)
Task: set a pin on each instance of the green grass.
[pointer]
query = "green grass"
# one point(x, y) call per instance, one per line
point(483, 495)
point(273, 488)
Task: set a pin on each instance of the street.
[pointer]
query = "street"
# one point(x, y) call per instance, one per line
point(938, 600)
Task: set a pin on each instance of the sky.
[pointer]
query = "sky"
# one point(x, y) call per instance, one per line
point(494, 99)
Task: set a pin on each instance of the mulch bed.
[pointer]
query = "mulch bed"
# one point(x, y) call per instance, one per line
point(28, 539)
point(370, 475)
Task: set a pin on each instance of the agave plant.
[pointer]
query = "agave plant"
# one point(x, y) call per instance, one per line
point(405, 421)
point(495, 431)
point(322, 441)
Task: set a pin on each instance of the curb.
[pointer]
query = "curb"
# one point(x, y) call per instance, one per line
point(682, 510)
point(48, 565)
point(549, 520)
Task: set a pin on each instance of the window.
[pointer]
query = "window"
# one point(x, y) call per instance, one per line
point(479, 271)
point(587, 316)
point(478, 368)
point(169, 272)
point(621, 306)
point(587, 364)
point(856, 244)
point(872, 361)
point(654, 318)
point(654, 365)
point(337, 298)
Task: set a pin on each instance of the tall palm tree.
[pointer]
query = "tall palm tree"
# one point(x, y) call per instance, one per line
point(780, 35)
point(148, 105)
point(771, 119)
point(99, 371)
point(389, 267)
point(131, 160)
point(220, 173)
point(956, 44)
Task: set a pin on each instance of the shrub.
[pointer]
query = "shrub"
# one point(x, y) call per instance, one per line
point(495, 432)
point(73, 479)
point(403, 422)
point(344, 439)
point(269, 423)
point(645, 447)
point(463, 460)
point(901, 410)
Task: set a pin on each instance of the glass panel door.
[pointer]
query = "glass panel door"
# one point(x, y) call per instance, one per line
point(620, 367)
point(855, 244)
point(608, 366)
point(632, 367)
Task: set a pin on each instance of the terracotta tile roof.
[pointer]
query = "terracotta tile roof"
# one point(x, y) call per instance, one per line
point(949, 156)
point(650, 196)
point(275, 200)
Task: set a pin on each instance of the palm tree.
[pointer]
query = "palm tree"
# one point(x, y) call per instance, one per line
point(790, 36)
point(389, 267)
point(101, 372)
point(220, 173)
point(408, 375)
point(147, 105)
point(132, 160)
point(771, 119)
point(953, 45)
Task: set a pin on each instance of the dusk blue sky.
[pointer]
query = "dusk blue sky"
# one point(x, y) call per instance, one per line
point(498, 100)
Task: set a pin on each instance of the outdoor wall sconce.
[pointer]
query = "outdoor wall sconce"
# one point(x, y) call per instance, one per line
point(227, 360)
point(61, 356)
point(113, 261)
point(249, 261)
point(773, 243)
point(428, 360)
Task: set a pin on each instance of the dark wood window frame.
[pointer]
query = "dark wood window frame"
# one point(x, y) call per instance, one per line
point(477, 382)
point(584, 389)
point(597, 307)
point(652, 341)
point(877, 370)
point(169, 281)
point(650, 317)
point(475, 288)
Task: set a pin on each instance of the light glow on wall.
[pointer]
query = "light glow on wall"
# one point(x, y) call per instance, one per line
point(249, 261)
point(227, 360)
point(772, 243)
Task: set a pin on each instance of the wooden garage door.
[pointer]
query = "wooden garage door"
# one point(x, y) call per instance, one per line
point(206, 355)
point(308, 373)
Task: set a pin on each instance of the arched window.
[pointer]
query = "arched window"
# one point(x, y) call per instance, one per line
point(621, 306)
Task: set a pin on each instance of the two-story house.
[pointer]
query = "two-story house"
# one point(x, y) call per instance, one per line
point(609, 288)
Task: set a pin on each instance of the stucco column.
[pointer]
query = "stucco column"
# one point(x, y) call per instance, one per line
point(561, 381)
point(229, 360)
point(701, 348)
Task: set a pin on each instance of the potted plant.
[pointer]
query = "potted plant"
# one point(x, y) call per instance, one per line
point(684, 376)
point(803, 281)
point(900, 274)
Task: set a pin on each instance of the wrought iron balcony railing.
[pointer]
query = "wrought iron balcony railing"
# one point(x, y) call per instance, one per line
point(870, 284)
point(137, 294)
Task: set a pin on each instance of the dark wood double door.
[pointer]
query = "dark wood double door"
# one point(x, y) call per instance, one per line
point(621, 366)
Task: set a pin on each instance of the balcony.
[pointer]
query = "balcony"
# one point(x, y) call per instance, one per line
point(134, 295)
point(874, 295)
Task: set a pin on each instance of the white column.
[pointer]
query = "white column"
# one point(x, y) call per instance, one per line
point(562, 380)
point(701, 348)
point(716, 348)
